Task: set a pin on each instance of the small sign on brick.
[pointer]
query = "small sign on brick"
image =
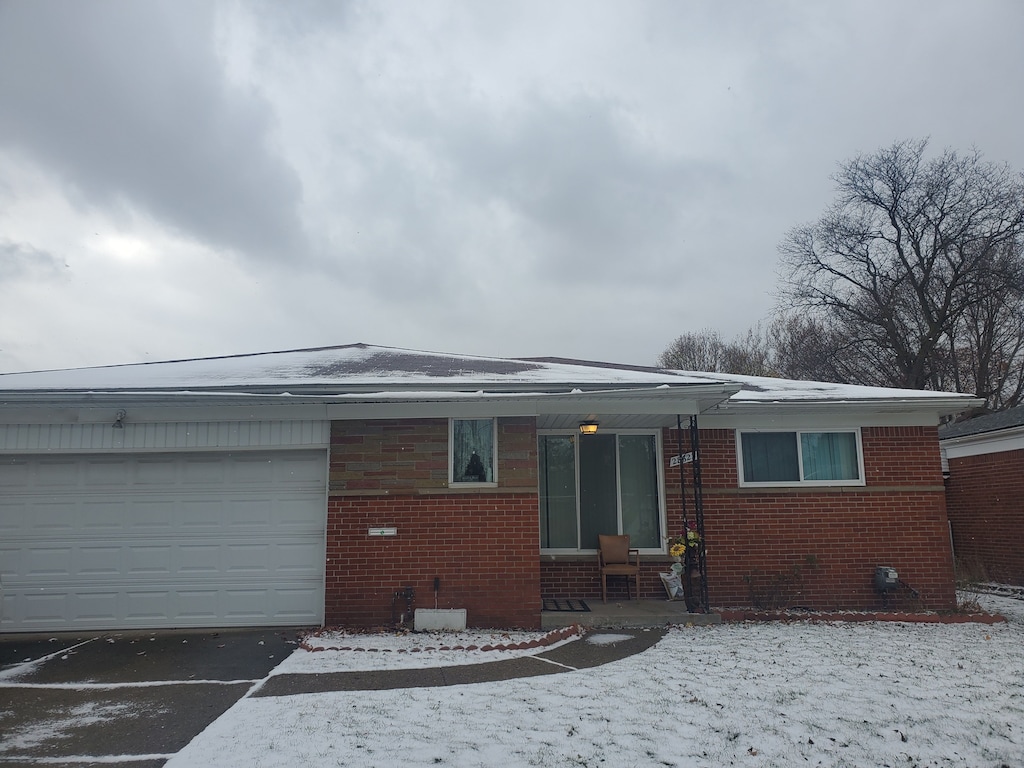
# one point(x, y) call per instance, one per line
point(686, 458)
point(382, 532)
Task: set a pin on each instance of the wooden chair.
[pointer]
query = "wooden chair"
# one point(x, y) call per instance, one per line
point(615, 558)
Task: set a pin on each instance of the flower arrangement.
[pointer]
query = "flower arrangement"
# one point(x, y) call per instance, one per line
point(678, 545)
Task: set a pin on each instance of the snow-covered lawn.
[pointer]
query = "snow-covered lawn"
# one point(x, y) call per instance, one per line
point(766, 694)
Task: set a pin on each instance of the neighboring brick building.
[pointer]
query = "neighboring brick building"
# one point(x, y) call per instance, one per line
point(345, 485)
point(985, 494)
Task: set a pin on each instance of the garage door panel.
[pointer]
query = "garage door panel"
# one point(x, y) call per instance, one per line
point(200, 515)
point(47, 518)
point(162, 541)
point(155, 472)
point(151, 516)
point(46, 609)
point(199, 559)
point(203, 471)
point(297, 470)
point(288, 604)
point(56, 474)
point(298, 513)
point(255, 513)
point(198, 605)
point(49, 562)
point(247, 559)
point(91, 608)
point(149, 560)
point(246, 603)
point(103, 517)
point(253, 471)
point(15, 474)
point(296, 558)
point(98, 561)
point(145, 606)
point(103, 472)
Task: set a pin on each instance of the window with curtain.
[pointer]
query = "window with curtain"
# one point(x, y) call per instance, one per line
point(829, 456)
point(822, 458)
point(594, 484)
point(472, 451)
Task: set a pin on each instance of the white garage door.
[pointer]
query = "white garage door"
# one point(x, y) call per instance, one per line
point(162, 540)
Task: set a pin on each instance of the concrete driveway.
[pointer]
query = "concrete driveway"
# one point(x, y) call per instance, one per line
point(135, 698)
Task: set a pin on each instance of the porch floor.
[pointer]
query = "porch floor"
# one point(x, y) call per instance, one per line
point(627, 613)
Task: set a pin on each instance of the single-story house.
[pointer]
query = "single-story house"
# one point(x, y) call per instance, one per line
point(340, 485)
point(985, 494)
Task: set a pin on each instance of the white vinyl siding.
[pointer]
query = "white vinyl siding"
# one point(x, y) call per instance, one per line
point(171, 436)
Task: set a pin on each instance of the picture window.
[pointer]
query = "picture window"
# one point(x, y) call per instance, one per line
point(801, 457)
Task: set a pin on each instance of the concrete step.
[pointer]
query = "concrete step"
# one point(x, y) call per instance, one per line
point(627, 613)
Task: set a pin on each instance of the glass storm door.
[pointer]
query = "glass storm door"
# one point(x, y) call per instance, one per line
point(594, 484)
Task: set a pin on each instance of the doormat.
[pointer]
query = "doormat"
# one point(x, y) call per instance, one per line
point(574, 606)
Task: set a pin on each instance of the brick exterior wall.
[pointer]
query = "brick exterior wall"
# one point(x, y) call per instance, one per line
point(483, 544)
point(818, 547)
point(985, 496)
point(810, 547)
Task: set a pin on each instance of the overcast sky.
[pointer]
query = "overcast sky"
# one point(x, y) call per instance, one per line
point(580, 179)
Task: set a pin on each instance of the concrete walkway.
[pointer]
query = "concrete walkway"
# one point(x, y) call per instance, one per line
point(136, 699)
point(590, 650)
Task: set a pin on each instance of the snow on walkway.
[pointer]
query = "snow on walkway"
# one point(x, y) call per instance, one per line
point(752, 694)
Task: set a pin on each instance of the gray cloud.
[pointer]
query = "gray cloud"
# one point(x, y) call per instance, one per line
point(575, 178)
point(127, 102)
point(600, 202)
point(19, 260)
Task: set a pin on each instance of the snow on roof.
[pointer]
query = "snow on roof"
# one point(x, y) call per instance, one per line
point(343, 368)
point(362, 368)
point(765, 389)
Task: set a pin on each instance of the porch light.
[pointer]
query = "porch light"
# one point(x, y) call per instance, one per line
point(588, 427)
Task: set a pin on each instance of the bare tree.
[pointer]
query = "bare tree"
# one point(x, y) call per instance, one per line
point(917, 272)
point(703, 350)
point(753, 353)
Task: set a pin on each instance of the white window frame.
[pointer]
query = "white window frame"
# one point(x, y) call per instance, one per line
point(452, 482)
point(860, 481)
point(659, 461)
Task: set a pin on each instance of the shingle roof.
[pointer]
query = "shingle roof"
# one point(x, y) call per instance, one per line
point(991, 422)
point(361, 368)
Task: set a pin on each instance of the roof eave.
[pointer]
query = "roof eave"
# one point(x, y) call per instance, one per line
point(941, 406)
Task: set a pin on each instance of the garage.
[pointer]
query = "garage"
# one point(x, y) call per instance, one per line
point(171, 539)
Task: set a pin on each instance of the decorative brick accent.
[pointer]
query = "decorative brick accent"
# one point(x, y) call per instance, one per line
point(483, 545)
point(389, 455)
point(985, 497)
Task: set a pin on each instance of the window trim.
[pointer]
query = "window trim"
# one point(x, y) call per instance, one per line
point(662, 503)
point(801, 483)
point(452, 482)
